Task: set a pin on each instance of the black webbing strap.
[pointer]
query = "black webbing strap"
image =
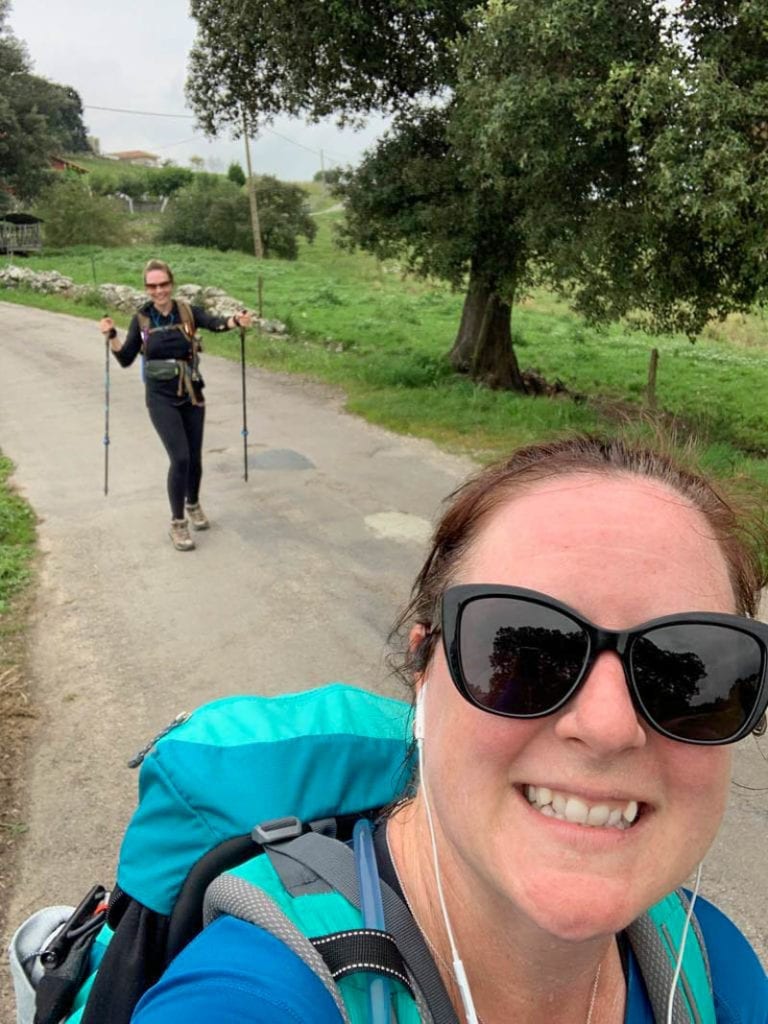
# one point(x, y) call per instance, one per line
point(334, 862)
point(362, 949)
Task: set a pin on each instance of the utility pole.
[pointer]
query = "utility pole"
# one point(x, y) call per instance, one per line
point(322, 169)
point(258, 248)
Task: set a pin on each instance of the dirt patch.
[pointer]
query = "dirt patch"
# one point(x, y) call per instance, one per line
point(16, 723)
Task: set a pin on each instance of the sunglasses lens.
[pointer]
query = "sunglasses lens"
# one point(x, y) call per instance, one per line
point(518, 657)
point(698, 682)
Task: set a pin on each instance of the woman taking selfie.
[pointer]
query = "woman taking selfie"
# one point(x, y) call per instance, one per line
point(583, 654)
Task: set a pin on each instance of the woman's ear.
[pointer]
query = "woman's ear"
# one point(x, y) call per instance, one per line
point(416, 637)
point(418, 650)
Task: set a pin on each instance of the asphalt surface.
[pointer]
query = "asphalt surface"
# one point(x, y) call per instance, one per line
point(296, 584)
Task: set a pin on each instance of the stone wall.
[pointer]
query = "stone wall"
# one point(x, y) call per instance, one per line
point(123, 297)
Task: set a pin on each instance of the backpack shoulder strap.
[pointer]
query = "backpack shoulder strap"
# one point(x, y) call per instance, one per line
point(230, 894)
point(313, 881)
point(655, 938)
point(145, 327)
point(334, 863)
point(187, 318)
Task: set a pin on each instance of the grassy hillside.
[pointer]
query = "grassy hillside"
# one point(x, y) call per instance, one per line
point(362, 325)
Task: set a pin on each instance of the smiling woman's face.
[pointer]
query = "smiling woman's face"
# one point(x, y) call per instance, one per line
point(621, 550)
point(158, 285)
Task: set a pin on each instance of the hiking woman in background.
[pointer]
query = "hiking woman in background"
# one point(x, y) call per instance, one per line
point(165, 331)
point(582, 650)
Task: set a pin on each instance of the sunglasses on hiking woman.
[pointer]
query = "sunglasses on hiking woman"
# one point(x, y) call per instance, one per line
point(697, 677)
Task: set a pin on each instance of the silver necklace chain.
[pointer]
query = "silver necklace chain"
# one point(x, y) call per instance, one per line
point(444, 963)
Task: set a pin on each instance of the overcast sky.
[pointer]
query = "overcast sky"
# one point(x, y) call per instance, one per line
point(133, 55)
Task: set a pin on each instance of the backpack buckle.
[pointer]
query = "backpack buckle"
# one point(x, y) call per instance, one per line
point(277, 830)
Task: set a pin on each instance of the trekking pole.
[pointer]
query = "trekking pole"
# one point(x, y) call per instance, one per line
point(244, 431)
point(106, 416)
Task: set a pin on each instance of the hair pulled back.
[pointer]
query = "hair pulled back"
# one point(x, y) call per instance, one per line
point(740, 532)
point(157, 265)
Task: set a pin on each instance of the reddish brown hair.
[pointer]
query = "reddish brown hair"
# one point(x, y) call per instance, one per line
point(740, 531)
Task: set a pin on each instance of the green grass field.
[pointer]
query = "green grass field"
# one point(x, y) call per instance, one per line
point(382, 337)
point(17, 537)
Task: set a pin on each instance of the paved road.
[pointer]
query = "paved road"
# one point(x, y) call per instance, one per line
point(295, 584)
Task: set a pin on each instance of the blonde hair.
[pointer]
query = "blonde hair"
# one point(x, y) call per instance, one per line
point(157, 265)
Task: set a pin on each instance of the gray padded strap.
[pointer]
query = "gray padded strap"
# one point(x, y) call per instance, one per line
point(334, 863)
point(658, 972)
point(231, 895)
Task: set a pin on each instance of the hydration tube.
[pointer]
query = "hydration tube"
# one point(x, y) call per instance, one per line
point(379, 1004)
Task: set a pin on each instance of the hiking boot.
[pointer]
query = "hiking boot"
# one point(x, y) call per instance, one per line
point(179, 534)
point(197, 518)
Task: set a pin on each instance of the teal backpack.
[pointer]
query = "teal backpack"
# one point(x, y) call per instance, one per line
point(246, 807)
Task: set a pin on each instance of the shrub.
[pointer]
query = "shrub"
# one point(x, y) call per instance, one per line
point(236, 174)
point(214, 212)
point(72, 216)
point(165, 181)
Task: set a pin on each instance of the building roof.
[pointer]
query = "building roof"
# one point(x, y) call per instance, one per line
point(70, 165)
point(134, 154)
point(20, 218)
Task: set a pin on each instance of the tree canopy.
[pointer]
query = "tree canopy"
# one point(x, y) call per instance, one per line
point(37, 118)
point(24, 135)
point(635, 146)
point(318, 57)
point(615, 152)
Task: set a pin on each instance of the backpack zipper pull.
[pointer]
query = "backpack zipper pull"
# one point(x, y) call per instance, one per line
point(138, 758)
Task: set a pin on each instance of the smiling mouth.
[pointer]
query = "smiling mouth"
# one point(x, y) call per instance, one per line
point(554, 803)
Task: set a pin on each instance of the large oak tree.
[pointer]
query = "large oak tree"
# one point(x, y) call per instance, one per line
point(568, 142)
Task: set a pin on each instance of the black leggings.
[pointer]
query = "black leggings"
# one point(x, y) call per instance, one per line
point(181, 430)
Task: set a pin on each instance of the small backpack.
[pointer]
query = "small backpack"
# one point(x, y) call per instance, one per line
point(245, 808)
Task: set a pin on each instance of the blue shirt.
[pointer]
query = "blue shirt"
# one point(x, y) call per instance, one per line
point(236, 973)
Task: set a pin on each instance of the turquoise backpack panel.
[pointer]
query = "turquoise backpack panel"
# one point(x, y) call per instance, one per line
point(241, 761)
point(668, 915)
point(319, 914)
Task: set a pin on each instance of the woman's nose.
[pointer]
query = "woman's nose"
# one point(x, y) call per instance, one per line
point(602, 715)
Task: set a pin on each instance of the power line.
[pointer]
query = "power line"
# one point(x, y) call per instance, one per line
point(170, 145)
point(285, 137)
point(191, 117)
point(144, 113)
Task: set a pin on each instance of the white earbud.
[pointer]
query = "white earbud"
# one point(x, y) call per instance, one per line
point(418, 721)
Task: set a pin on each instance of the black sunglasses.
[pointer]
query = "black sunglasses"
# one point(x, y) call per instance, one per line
point(699, 677)
point(160, 284)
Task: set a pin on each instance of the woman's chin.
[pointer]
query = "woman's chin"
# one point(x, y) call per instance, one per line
point(581, 909)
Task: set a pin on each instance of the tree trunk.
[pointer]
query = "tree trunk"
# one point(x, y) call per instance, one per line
point(462, 354)
point(495, 362)
point(483, 346)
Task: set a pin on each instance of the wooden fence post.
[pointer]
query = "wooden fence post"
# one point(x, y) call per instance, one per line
point(650, 391)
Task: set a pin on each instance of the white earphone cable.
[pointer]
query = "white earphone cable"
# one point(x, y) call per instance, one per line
point(683, 938)
point(458, 967)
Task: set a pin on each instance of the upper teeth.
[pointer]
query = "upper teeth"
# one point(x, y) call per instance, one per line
point(566, 807)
